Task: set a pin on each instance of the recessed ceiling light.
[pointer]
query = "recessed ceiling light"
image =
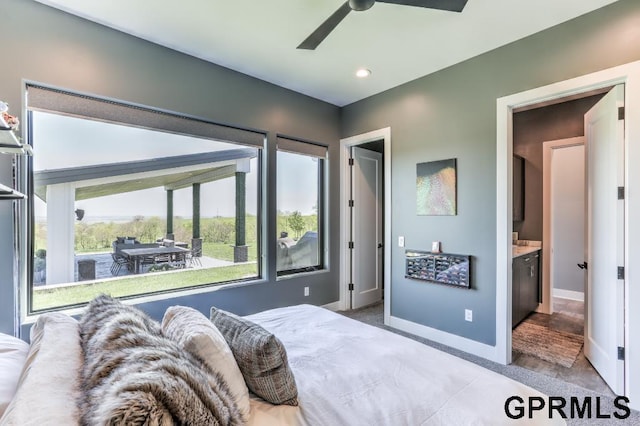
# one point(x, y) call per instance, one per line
point(363, 72)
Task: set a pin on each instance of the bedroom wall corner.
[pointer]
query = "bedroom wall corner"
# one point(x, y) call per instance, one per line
point(90, 58)
point(452, 114)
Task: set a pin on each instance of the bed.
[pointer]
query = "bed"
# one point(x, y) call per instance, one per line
point(343, 372)
point(351, 373)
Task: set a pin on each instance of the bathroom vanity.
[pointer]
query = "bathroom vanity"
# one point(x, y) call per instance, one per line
point(525, 283)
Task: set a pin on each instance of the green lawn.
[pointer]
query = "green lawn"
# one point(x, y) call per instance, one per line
point(134, 285)
point(225, 251)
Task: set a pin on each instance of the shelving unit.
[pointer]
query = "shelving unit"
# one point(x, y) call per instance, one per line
point(7, 193)
point(10, 144)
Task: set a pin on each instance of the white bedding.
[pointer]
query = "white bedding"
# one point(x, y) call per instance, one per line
point(350, 373)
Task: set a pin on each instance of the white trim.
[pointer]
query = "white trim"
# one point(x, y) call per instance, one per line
point(375, 135)
point(546, 306)
point(333, 306)
point(150, 298)
point(568, 294)
point(448, 339)
point(629, 74)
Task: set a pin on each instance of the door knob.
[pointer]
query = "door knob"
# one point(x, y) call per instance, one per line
point(380, 245)
point(582, 265)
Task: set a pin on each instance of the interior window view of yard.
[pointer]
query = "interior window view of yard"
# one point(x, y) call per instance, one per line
point(299, 197)
point(127, 211)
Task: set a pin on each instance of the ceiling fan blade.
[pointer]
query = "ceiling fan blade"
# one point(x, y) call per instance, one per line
point(316, 37)
point(450, 5)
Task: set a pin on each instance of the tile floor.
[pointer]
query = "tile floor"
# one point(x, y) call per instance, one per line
point(568, 316)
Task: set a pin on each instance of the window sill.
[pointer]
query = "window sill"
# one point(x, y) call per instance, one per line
point(150, 298)
point(302, 274)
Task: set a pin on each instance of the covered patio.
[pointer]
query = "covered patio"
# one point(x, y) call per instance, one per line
point(61, 188)
point(104, 262)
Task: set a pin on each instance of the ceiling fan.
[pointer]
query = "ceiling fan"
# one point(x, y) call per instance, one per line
point(316, 37)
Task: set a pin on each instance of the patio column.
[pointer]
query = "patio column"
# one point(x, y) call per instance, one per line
point(241, 250)
point(196, 241)
point(170, 235)
point(60, 233)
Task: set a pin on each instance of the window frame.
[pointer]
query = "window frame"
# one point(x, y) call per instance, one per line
point(320, 152)
point(24, 216)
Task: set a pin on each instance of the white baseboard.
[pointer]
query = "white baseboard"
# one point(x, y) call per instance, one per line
point(334, 306)
point(462, 343)
point(568, 294)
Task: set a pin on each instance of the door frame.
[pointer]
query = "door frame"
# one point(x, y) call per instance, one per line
point(345, 224)
point(546, 307)
point(629, 75)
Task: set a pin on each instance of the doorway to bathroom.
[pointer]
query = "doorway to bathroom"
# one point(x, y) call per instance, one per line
point(556, 218)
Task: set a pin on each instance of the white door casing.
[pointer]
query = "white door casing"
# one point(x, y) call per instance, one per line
point(604, 298)
point(629, 74)
point(367, 260)
point(383, 134)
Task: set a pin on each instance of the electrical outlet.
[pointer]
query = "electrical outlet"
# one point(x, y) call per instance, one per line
point(306, 291)
point(400, 241)
point(468, 315)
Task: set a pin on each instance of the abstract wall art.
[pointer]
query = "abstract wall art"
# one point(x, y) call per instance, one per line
point(436, 188)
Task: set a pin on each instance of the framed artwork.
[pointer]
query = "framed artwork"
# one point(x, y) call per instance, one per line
point(436, 188)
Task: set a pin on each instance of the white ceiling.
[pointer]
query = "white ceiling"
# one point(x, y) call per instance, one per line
point(397, 43)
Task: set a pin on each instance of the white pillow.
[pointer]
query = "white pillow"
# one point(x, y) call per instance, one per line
point(13, 355)
point(48, 386)
point(196, 334)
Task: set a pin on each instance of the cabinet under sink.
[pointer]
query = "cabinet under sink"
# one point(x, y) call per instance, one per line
point(525, 290)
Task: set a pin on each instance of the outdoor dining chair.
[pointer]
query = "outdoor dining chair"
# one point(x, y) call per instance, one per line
point(118, 262)
point(193, 257)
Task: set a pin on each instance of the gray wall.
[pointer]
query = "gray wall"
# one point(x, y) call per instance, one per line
point(530, 129)
point(452, 114)
point(51, 47)
point(448, 114)
point(567, 187)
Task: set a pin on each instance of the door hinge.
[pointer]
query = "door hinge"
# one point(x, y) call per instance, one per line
point(350, 203)
point(621, 272)
point(621, 193)
point(350, 286)
point(351, 161)
point(350, 244)
point(621, 353)
point(621, 113)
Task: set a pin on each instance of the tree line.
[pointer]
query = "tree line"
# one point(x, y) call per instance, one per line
point(99, 236)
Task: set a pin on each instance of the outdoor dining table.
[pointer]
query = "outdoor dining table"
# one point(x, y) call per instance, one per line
point(136, 255)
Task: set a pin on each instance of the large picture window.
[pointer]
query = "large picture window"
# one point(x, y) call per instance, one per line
point(300, 215)
point(129, 201)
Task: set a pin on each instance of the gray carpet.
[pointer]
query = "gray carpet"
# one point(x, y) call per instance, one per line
point(550, 386)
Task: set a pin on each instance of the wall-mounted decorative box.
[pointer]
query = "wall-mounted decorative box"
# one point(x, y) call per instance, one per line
point(441, 268)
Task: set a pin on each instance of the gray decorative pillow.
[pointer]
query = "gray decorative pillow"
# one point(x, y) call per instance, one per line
point(261, 357)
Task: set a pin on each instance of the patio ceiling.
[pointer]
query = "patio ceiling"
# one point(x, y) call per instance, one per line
point(175, 172)
point(169, 181)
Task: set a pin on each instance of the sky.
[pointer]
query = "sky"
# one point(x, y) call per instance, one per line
point(62, 142)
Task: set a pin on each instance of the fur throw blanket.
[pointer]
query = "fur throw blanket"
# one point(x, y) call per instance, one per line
point(134, 375)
